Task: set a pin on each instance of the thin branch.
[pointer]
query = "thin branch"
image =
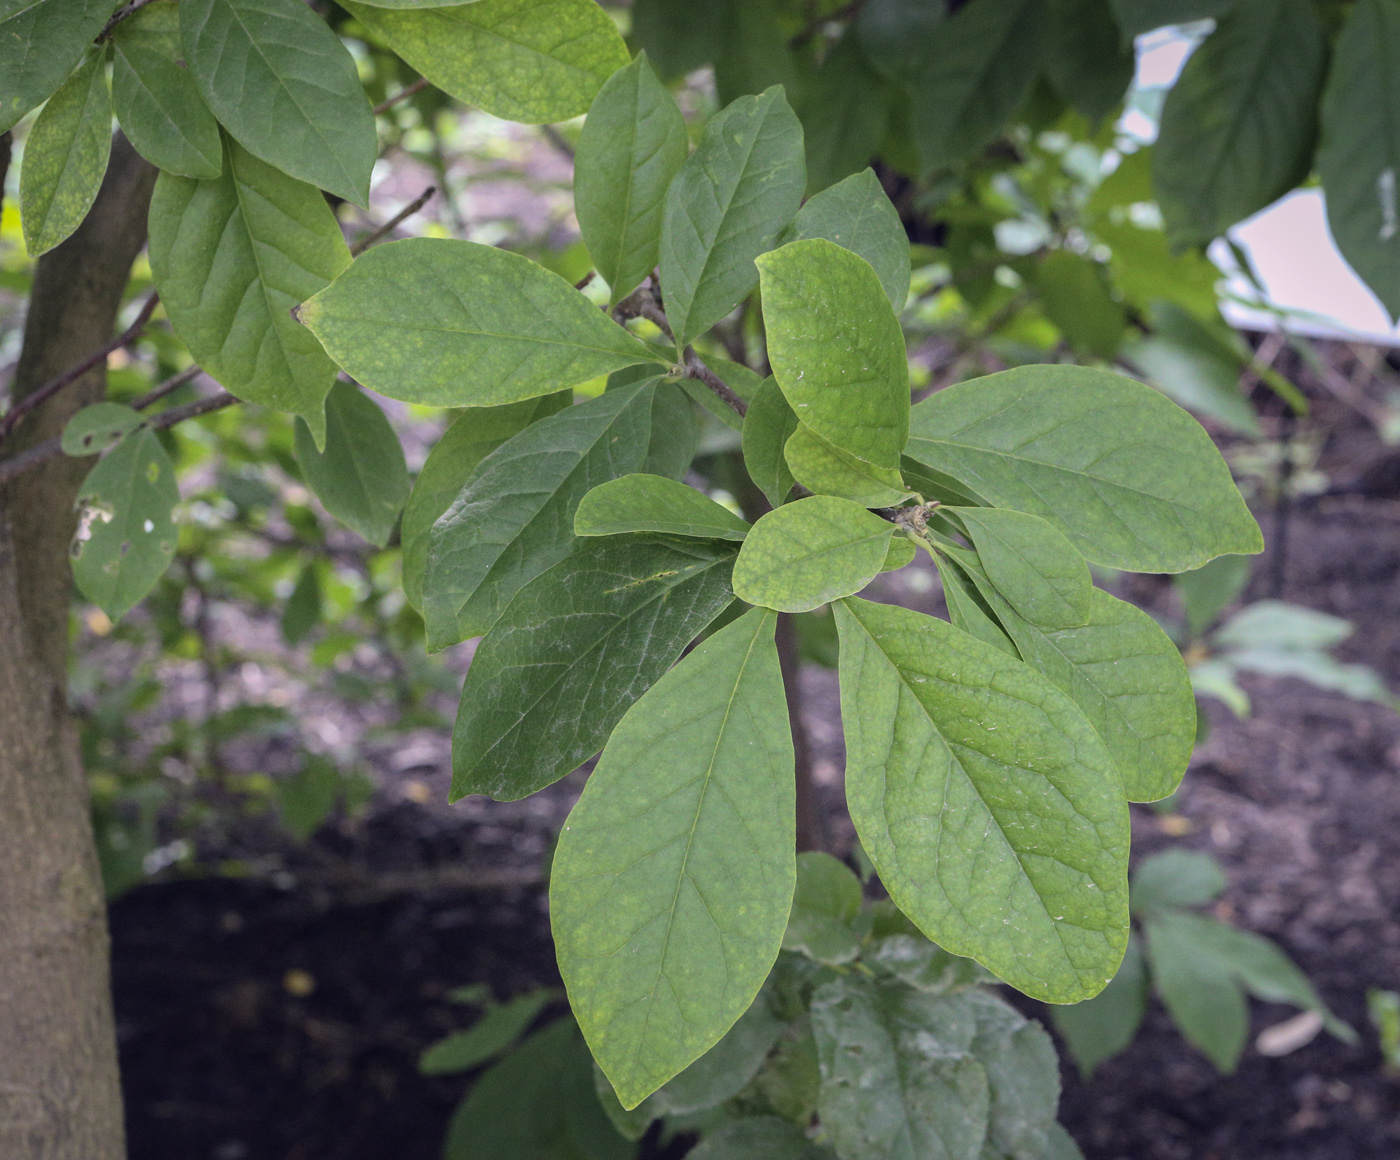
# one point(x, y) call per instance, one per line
point(585, 280)
point(394, 222)
point(402, 95)
point(695, 369)
point(119, 15)
point(158, 392)
point(41, 396)
point(558, 140)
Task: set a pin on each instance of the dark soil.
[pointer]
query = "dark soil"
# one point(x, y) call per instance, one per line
point(281, 1019)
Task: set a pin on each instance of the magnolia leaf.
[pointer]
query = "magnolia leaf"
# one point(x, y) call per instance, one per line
point(1139, 16)
point(497, 1029)
point(127, 537)
point(1031, 564)
point(1176, 878)
point(651, 503)
point(844, 116)
point(675, 431)
point(825, 903)
point(1201, 994)
point(361, 477)
point(968, 611)
point(162, 113)
point(1088, 59)
point(1103, 1026)
point(155, 26)
point(857, 215)
point(674, 874)
point(768, 425)
point(231, 257)
point(451, 323)
point(514, 516)
point(895, 35)
point(902, 552)
point(282, 83)
point(1128, 476)
point(1207, 591)
point(727, 205)
point(810, 552)
point(826, 469)
point(97, 427)
point(303, 610)
point(65, 156)
point(723, 1071)
point(41, 43)
point(1075, 296)
point(963, 767)
point(534, 61)
point(630, 148)
point(1022, 1072)
point(572, 652)
point(757, 1138)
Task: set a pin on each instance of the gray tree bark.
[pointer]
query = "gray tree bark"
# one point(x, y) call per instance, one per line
point(60, 1096)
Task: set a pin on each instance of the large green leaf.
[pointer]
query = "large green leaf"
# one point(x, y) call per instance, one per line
point(986, 801)
point(127, 537)
point(1359, 154)
point(810, 552)
point(844, 115)
point(837, 349)
point(731, 199)
point(65, 157)
point(1088, 59)
point(1031, 564)
point(452, 323)
point(1239, 125)
point(285, 86)
point(899, 1080)
point(1131, 478)
point(857, 214)
point(757, 1138)
point(524, 60)
point(514, 516)
point(1103, 1026)
point(826, 469)
point(652, 503)
point(977, 72)
point(231, 257)
point(631, 146)
point(361, 477)
point(674, 873)
point(162, 113)
point(474, 434)
point(1023, 1074)
point(572, 652)
point(41, 42)
point(768, 425)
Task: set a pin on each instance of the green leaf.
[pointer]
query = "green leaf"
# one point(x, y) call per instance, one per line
point(525, 60)
point(728, 1066)
point(965, 770)
point(1031, 564)
point(1088, 59)
point(1131, 478)
point(514, 516)
point(1239, 125)
point(680, 35)
point(825, 903)
point(896, 33)
point(837, 349)
point(674, 874)
point(1176, 878)
point(977, 72)
point(1022, 1072)
point(727, 205)
point(651, 503)
point(361, 476)
point(155, 27)
point(675, 431)
point(768, 425)
point(912, 959)
point(902, 552)
point(497, 1029)
point(1101, 1027)
point(1359, 154)
point(230, 258)
point(451, 323)
point(857, 215)
point(65, 156)
point(126, 538)
point(97, 427)
point(899, 1080)
point(1060, 1144)
point(810, 552)
point(630, 148)
point(474, 434)
point(1074, 295)
point(303, 610)
point(572, 652)
point(845, 113)
point(968, 611)
point(282, 83)
point(41, 42)
point(757, 1138)
point(1201, 995)
point(1206, 592)
point(306, 799)
point(822, 467)
point(161, 111)
point(935, 485)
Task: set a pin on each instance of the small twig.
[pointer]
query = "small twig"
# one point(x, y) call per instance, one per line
point(402, 95)
point(557, 139)
point(695, 369)
point(394, 222)
point(118, 16)
point(158, 392)
point(38, 398)
point(644, 303)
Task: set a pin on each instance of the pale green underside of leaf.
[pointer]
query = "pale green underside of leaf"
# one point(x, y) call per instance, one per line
point(629, 149)
point(768, 424)
point(1033, 566)
point(674, 874)
point(985, 799)
point(572, 652)
point(130, 495)
point(1128, 476)
point(823, 468)
point(162, 113)
point(452, 323)
point(525, 60)
point(65, 157)
point(811, 552)
point(282, 83)
point(857, 215)
point(727, 205)
point(231, 257)
point(41, 42)
point(652, 503)
point(514, 517)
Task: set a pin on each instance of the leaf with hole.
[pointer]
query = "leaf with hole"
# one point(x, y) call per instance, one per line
point(652, 503)
point(97, 427)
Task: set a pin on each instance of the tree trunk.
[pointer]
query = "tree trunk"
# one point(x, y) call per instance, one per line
point(60, 1097)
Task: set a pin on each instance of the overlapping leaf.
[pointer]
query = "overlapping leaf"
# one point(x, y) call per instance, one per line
point(1103, 1026)
point(857, 215)
point(652, 503)
point(162, 113)
point(1088, 59)
point(41, 42)
point(768, 424)
point(1031, 564)
point(820, 466)
point(844, 116)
